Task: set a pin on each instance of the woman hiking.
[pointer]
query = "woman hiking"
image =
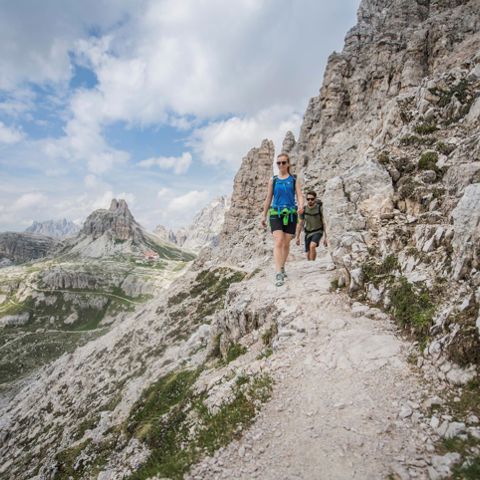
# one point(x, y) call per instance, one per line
point(282, 212)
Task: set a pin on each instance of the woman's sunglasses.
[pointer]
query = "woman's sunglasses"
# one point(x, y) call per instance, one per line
point(282, 163)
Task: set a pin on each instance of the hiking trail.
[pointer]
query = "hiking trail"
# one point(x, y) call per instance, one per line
point(345, 403)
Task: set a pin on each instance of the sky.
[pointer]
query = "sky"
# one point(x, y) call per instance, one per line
point(154, 101)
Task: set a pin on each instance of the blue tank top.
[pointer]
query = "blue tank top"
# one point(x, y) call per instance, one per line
point(284, 193)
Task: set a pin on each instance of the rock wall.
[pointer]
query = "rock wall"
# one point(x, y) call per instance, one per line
point(22, 247)
point(391, 143)
point(242, 237)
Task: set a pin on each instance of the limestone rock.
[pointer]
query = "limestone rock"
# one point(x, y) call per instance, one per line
point(22, 247)
point(242, 237)
point(54, 228)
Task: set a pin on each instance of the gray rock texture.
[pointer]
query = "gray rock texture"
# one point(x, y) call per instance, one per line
point(23, 247)
point(54, 228)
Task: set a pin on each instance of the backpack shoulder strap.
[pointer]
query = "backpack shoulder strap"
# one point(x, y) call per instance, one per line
point(275, 177)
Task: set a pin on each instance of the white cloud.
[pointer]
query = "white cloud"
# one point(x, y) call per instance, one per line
point(36, 37)
point(164, 193)
point(29, 200)
point(9, 135)
point(230, 140)
point(188, 202)
point(179, 165)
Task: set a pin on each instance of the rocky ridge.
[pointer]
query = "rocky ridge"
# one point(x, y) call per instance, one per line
point(22, 247)
point(54, 228)
point(116, 232)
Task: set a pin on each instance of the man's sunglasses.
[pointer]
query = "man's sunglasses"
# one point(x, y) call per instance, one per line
point(311, 199)
point(282, 163)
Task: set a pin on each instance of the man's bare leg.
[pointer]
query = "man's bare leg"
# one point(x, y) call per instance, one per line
point(313, 251)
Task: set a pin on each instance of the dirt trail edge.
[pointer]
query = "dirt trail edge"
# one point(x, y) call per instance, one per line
point(346, 401)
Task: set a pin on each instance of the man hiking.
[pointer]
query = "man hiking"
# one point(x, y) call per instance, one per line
point(312, 218)
point(281, 205)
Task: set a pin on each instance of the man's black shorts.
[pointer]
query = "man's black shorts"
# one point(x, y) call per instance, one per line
point(316, 237)
point(276, 223)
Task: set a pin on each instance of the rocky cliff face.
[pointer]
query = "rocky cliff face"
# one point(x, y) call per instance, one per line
point(54, 228)
point(116, 232)
point(206, 226)
point(242, 238)
point(164, 234)
point(392, 145)
point(117, 222)
point(23, 247)
point(204, 230)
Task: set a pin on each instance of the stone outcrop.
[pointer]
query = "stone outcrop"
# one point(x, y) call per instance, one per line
point(242, 236)
point(23, 247)
point(116, 232)
point(117, 222)
point(54, 228)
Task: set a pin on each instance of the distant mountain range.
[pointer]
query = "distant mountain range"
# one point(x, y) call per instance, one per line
point(54, 228)
point(203, 231)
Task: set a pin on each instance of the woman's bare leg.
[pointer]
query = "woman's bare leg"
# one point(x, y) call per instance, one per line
point(287, 238)
point(278, 249)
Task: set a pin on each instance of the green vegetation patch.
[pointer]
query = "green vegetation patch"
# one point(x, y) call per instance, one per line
point(445, 148)
point(464, 348)
point(425, 128)
point(85, 460)
point(376, 272)
point(205, 297)
point(412, 307)
point(428, 161)
point(412, 140)
point(178, 428)
point(234, 351)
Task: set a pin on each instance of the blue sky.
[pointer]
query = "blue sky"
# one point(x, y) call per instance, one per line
point(154, 101)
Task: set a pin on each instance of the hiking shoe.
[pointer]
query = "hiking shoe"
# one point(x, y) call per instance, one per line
point(284, 273)
point(279, 279)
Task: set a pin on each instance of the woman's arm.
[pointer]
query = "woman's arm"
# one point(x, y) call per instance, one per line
point(267, 203)
point(298, 191)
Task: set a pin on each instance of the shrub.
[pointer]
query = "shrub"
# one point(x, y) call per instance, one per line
point(234, 351)
point(425, 128)
point(412, 307)
point(445, 148)
point(428, 161)
point(383, 158)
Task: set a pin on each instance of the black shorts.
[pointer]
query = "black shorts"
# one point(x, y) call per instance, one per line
point(276, 223)
point(316, 237)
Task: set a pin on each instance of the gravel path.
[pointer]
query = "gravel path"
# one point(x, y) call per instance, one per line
point(345, 402)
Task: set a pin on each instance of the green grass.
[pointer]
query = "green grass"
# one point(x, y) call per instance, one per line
point(445, 148)
point(234, 351)
point(469, 472)
point(428, 161)
point(176, 425)
point(412, 307)
point(425, 128)
point(376, 272)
